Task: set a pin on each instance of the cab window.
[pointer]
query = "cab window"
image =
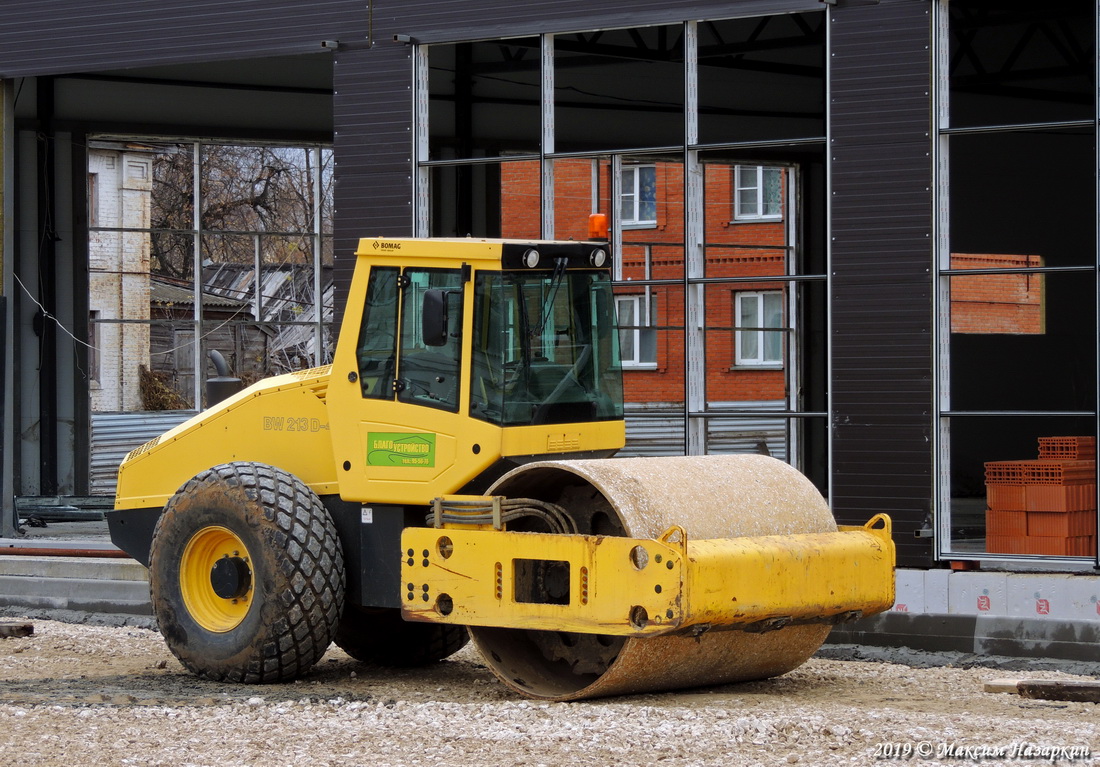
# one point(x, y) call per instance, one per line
point(376, 351)
point(430, 363)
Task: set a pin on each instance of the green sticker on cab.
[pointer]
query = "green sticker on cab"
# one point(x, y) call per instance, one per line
point(400, 449)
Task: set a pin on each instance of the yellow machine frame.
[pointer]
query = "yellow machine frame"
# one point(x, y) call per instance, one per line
point(650, 587)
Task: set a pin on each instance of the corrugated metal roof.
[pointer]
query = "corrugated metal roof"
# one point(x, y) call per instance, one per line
point(169, 294)
point(287, 291)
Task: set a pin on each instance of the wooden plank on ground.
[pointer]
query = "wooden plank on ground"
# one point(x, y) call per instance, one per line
point(1047, 689)
point(10, 629)
point(1001, 685)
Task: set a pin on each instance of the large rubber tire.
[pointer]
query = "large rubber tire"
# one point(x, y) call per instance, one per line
point(381, 637)
point(287, 572)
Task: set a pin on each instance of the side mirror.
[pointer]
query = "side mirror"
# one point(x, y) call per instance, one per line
point(433, 320)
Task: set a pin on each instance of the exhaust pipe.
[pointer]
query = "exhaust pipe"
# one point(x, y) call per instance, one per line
point(223, 385)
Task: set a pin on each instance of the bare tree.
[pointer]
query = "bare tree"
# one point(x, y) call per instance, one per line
point(244, 190)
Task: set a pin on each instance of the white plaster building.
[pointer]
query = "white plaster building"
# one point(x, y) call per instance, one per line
point(119, 198)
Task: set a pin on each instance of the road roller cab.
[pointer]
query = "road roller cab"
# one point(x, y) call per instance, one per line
point(451, 474)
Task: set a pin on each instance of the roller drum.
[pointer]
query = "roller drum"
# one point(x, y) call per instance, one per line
point(710, 497)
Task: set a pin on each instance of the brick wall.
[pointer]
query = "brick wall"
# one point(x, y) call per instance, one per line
point(997, 303)
point(749, 250)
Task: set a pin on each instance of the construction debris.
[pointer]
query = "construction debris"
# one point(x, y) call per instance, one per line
point(10, 629)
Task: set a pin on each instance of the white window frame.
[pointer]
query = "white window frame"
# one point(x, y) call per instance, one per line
point(757, 189)
point(760, 331)
point(643, 307)
point(631, 194)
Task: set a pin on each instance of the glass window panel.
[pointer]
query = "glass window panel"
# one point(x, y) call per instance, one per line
point(773, 310)
point(751, 246)
point(647, 193)
point(627, 328)
point(1025, 350)
point(376, 349)
point(260, 204)
point(747, 433)
point(123, 262)
point(739, 241)
point(172, 255)
point(760, 192)
point(287, 279)
point(619, 88)
point(648, 324)
point(328, 189)
point(229, 274)
point(535, 358)
point(637, 319)
point(653, 373)
point(748, 341)
point(487, 200)
point(772, 193)
point(654, 397)
point(520, 197)
point(119, 378)
point(263, 188)
point(628, 199)
point(773, 347)
point(1013, 63)
point(428, 374)
point(654, 430)
point(653, 249)
point(579, 191)
point(172, 194)
point(1003, 501)
point(484, 99)
point(638, 203)
point(757, 312)
point(167, 378)
point(762, 78)
point(773, 318)
point(750, 313)
point(292, 346)
point(1008, 188)
point(746, 205)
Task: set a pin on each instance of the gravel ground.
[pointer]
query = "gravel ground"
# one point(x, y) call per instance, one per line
point(79, 694)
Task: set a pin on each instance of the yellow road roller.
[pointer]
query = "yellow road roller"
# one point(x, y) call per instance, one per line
point(450, 475)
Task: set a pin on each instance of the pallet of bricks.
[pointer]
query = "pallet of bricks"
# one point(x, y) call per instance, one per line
point(1045, 506)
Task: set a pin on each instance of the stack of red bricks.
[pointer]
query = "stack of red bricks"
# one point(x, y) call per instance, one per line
point(1045, 506)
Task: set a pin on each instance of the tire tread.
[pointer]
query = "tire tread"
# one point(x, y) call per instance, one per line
point(308, 560)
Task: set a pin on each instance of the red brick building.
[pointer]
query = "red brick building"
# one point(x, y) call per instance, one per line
point(746, 325)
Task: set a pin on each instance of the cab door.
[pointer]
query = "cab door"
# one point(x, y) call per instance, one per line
point(401, 431)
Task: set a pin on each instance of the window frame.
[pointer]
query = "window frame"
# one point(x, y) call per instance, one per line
point(643, 331)
point(759, 187)
point(436, 370)
point(634, 193)
point(760, 362)
point(380, 319)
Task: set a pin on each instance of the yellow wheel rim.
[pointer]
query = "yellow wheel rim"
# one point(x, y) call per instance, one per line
point(210, 547)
